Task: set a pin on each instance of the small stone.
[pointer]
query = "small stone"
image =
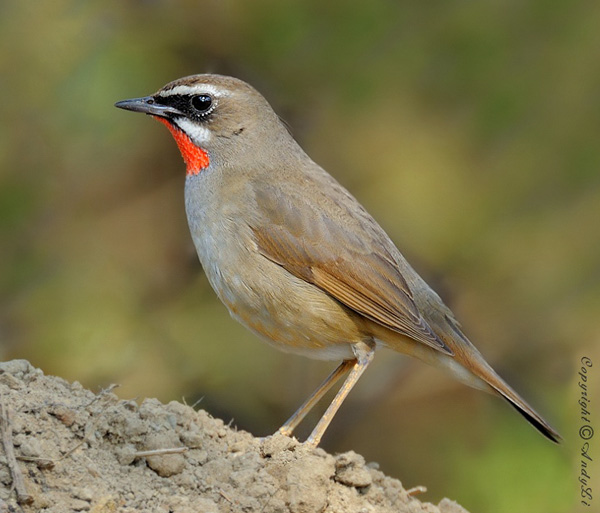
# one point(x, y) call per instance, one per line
point(10, 381)
point(277, 443)
point(130, 405)
point(150, 407)
point(354, 476)
point(79, 505)
point(351, 470)
point(134, 427)
point(28, 445)
point(197, 457)
point(192, 505)
point(106, 505)
point(165, 465)
point(85, 494)
point(186, 480)
point(66, 415)
point(449, 506)
point(191, 439)
point(5, 477)
point(237, 447)
point(125, 454)
point(31, 447)
point(17, 368)
point(42, 501)
point(181, 411)
point(76, 386)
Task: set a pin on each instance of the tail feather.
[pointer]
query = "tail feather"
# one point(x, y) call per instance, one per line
point(485, 372)
point(469, 366)
point(466, 365)
point(526, 411)
point(469, 358)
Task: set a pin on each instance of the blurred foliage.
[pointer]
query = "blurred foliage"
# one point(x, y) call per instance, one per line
point(470, 131)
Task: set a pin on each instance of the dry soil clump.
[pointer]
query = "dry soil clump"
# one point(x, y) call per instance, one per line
point(80, 451)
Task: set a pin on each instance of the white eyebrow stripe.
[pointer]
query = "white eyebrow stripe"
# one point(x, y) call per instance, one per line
point(199, 134)
point(195, 89)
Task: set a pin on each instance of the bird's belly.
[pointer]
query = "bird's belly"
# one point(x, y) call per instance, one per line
point(283, 310)
point(287, 312)
point(290, 339)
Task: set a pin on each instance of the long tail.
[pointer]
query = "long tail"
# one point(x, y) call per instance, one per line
point(479, 372)
point(518, 403)
point(466, 364)
point(469, 366)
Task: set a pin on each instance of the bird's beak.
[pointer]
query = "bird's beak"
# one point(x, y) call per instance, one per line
point(148, 105)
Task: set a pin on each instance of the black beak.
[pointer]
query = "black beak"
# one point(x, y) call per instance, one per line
point(148, 105)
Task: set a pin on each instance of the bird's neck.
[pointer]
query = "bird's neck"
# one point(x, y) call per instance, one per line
point(195, 158)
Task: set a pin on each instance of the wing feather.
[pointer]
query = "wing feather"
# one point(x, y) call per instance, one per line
point(351, 261)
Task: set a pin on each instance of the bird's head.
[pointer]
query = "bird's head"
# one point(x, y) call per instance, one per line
point(214, 118)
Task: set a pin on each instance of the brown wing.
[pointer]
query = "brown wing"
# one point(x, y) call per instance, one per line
point(346, 254)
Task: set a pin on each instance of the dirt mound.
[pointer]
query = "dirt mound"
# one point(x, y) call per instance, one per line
point(80, 451)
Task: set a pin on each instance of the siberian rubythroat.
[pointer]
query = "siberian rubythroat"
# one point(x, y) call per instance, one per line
point(294, 256)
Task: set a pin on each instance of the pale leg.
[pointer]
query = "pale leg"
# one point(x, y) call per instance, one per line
point(364, 356)
point(298, 416)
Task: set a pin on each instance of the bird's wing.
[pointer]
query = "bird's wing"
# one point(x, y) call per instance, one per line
point(347, 255)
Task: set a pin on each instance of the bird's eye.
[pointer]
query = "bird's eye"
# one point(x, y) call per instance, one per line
point(202, 102)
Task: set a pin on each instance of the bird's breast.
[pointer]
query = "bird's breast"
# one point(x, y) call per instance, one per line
point(281, 308)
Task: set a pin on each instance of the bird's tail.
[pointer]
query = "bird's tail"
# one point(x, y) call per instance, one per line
point(501, 388)
point(467, 365)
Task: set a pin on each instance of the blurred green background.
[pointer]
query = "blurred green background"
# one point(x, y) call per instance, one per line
point(468, 129)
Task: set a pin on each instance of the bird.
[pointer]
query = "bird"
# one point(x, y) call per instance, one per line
point(295, 257)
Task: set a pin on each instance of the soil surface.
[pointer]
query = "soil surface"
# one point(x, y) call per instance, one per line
point(80, 451)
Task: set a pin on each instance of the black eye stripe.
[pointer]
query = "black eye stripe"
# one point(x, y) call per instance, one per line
point(197, 106)
point(177, 101)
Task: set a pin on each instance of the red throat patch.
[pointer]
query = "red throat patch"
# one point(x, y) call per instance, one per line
point(195, 158)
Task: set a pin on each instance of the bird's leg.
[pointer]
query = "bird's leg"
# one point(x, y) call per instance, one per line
point(364, 355)
point(291, 424)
